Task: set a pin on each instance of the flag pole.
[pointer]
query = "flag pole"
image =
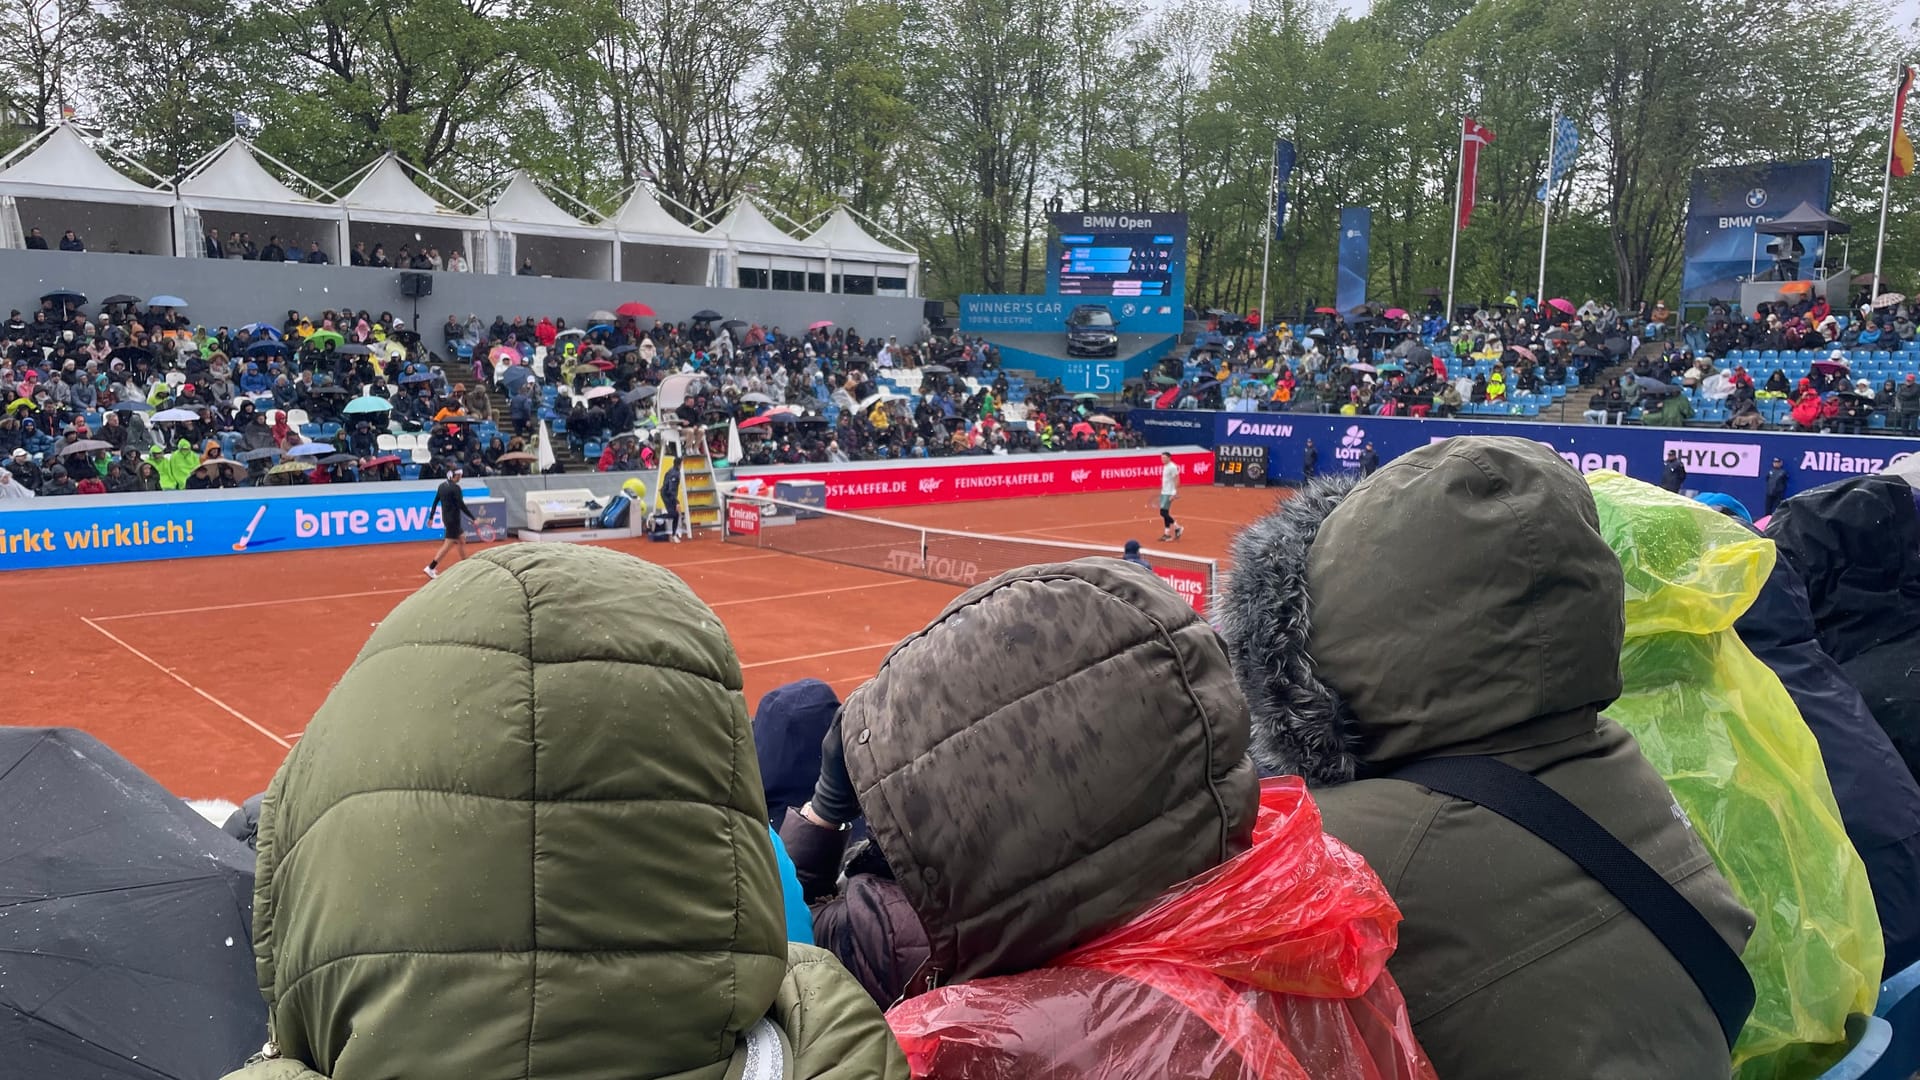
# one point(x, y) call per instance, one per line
point(1459, 178)
point(1546, 209)
point(1266, 249)
point(1886, 180)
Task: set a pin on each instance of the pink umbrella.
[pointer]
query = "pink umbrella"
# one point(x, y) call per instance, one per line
point(598, 392)
point(821, 325)
point(1396, 313)
point(1526, 352)
point(1561, 304)
point(501, 352)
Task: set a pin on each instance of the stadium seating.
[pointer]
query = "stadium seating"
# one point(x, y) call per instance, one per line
point(1899, 1006)
point(1867, 1038)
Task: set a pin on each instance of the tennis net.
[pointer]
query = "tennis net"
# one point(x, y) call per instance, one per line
point(948, 555)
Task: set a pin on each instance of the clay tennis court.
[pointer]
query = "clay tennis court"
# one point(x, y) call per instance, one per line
point(204, 671)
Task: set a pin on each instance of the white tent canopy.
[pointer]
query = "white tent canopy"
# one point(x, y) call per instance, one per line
point(522, 207)
point(63, 184)
point(536, 235)
point(843, 237)
point(230, 191)
point(655, 246)
point(63, 166)
point(747, 229)
point(642, 218)
point(387, 194)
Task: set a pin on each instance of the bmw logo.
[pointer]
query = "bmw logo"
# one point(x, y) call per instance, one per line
point(1756, 198)
point(1126, 310)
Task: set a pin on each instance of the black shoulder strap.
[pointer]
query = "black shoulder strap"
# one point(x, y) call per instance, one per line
point(1544, 812)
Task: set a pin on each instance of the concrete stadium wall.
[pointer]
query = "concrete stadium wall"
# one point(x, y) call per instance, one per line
point(225, 292)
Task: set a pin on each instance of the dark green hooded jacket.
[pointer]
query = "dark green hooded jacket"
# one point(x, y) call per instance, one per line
point(1462, 600)
point(524, 838)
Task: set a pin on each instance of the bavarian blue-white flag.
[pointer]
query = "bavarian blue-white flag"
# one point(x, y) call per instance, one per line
point(1566, 148)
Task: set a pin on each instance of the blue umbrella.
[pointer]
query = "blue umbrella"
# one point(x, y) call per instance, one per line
point(417, 377)
point(262, 328)
point(367, 405)
point(514, 376)
point(598, 328)
point(166, 301)
point(266, 348)
point(312, 449)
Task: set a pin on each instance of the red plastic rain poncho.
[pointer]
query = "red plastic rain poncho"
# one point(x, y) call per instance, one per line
point(1270, 966)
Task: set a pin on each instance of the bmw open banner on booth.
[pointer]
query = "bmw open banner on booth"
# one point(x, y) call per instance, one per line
point(1725, 205)
point(86, 530)
point(1717, 459)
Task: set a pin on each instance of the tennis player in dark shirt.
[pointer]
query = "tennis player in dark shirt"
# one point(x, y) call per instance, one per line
point(452, 504)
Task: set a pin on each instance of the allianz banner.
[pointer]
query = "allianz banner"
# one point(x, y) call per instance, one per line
point(1716, 459)
point(1724, 206)
point(85, 530)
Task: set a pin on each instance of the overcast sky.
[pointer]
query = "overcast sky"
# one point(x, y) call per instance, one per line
point(1905, 11)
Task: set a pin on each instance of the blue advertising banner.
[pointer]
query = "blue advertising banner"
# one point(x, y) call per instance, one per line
point(1283, 162)
point(89, 530)
point(1138, 256)
point(1735, 463)
point(1023, 314)
point(1724, 206)
point(1356, 237)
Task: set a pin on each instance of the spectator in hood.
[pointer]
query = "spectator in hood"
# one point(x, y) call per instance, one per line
point(657, 937)
point(787, 729)
point(11, 488)
point(1497, 922)
point(1878, 798)
point(1124, 685)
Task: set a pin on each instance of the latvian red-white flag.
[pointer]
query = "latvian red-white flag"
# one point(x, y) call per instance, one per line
point(1473, 136)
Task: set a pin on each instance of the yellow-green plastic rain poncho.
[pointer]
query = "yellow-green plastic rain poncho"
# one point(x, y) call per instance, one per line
point(1724, 733)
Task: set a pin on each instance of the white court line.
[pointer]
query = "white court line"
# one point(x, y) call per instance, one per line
point(818, 655)
point(252, 604)
point(169, 673)
point(814, 592)
point(713, 562)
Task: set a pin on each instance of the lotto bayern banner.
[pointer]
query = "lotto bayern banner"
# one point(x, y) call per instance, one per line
point(1724, 206)
point(86, 530)
point(916, 483)
point(1717, 459)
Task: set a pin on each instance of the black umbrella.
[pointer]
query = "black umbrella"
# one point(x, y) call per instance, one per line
point(267, 454)
point(132, 406)
point(1586, 350)
point(130, 353)
point(639, 393)
point(351, 350)
point(937, 369)
point(119, 298)
point(127, 922)
point(705, 315)
point(734, 324)
point(65, 296)
point(336, 459)
point(332, 391)
point(1655, 388)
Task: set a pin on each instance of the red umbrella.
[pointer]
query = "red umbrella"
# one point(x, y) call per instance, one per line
point(1326, 311)
point(1561, 304)
point(383, 459)
point(603, 365)
point(755, 422)
point(1081, 428)
point(634, 309)
point(821, 325)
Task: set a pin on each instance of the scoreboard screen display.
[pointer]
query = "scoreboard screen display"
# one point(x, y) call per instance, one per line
point(1120, 255)
point(1240, 466)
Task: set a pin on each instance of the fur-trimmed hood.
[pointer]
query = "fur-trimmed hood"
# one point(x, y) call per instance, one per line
point(1300, 726)
point(1460, 600)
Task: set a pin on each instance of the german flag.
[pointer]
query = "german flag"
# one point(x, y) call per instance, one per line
point(1902, 163)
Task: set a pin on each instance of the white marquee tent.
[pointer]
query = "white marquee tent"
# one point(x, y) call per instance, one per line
point(764, 257)
point(57, 182)
point(656, 246)
point(528, 226)
point(388, 209)
point(863, 264)
point(230, 191)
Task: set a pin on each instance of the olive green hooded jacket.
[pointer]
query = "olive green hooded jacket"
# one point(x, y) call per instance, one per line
point(524, 838)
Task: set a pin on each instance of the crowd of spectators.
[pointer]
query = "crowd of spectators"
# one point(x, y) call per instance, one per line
point(1395, 363)
point(142, 398)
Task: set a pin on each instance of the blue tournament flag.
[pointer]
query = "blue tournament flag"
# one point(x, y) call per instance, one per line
point(1566, 148)
point(1283, 159)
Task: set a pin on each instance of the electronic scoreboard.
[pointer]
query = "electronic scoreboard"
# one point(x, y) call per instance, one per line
point(1131, 255)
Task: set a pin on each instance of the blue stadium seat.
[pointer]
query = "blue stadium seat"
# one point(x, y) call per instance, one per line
point(1769, 356)
point(410, 471)
point(592, 452)
point(1899, 1006)
point(1867, 1038)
